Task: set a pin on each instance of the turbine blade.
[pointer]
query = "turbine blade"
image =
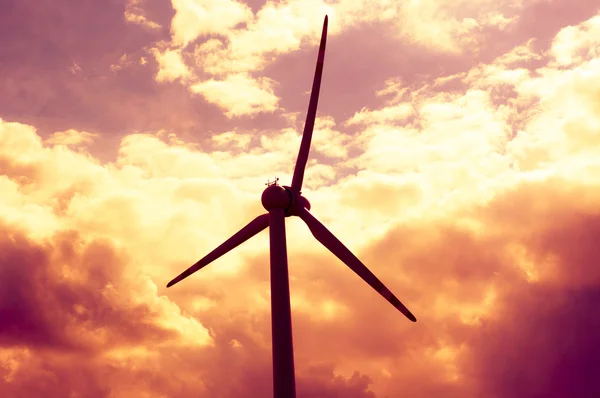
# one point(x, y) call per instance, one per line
point(332, 243)
point(310, 115)
point(254, 227)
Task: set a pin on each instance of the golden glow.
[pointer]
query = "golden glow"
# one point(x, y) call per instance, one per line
point(465, 174)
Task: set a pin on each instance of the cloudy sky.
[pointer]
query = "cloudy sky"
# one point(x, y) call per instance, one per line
point(456, 152)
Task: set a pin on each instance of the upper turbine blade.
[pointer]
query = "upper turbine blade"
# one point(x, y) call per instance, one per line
point(255, 226)
point(310, 116)
point(336, 247)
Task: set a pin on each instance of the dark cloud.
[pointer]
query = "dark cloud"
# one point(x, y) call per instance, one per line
point(543, 343)
point(57, 297)
point(542, 339)
point(59, 325)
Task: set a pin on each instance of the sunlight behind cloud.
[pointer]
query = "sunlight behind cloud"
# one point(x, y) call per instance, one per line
point(465, 175)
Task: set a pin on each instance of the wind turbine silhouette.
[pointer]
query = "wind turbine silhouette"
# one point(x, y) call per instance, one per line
point(281, 202)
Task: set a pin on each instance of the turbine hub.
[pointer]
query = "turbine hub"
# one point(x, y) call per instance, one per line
point(304, 202)
point(276, 197)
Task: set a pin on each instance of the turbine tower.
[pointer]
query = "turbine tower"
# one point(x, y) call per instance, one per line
point(281, 202)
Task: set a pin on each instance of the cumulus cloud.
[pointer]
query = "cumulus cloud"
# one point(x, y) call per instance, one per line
point(194, 18)
point(171, 65)
point(472, 194)
point(72, 138)
point(231, 41)
point(239, 94)
point(575, 44)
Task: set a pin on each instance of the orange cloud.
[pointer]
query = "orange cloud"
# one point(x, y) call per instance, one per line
point(473, 195)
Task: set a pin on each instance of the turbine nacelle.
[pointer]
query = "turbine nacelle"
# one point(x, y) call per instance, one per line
point(276, 197)
point(284, 197)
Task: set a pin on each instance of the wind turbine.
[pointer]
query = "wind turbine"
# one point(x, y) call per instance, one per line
point(281, 202)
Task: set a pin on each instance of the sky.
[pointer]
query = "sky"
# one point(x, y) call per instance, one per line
point(455, 152)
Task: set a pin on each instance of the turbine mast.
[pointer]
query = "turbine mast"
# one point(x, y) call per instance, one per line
point(284, 377)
